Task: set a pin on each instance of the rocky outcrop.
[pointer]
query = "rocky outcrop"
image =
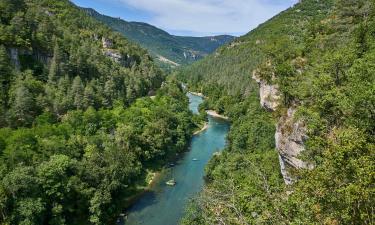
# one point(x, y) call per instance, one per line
point(290, 133)
point(15, 53)
point(106, 43)
point(165, 60)
point(109, 52)
point(269, 93)
point(192, 55)
point(113, 54)
point(290, 137)
point(14, 58)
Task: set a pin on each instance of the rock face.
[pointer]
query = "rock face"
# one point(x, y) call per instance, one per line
point(14, 57)
point(269, 94)
point(290, 137)
point(106, 43)
point(109, 52)
point(15, 53)
point(290, 133)
point(114, 55)
point(191, 55)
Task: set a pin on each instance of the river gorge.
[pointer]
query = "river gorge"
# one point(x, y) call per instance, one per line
point(165, 205)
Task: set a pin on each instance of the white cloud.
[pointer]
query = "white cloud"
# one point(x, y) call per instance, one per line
point(206, 17)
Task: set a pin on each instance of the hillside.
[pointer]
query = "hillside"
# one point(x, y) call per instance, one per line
point(301, 83)
point(79, 135)
point(167, 49)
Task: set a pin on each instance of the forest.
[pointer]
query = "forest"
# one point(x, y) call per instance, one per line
point(85, 116)
point(320, 56)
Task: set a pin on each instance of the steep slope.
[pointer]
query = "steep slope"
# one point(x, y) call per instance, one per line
point(56, 49)
point(311, 69)
point(166, 48)
point(78, 135)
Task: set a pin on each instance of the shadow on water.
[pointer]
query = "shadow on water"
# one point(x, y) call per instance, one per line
point(148, 199)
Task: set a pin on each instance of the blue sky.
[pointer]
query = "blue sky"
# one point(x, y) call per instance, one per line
point(193, 17)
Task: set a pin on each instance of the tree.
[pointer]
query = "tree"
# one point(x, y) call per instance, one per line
point(56, 178)
point(89, 97)
point(54, 69)
point(9, 7)
point(5, 76)
point(22, 107)
point(109, 93)
point(77, 92)
point(30, 211)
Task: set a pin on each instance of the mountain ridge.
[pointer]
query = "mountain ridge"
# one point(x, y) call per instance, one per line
point(178, 50)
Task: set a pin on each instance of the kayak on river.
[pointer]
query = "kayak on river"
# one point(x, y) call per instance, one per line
point(171, 182)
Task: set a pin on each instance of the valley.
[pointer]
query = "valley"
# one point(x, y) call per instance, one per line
point(169, 51)
point(105, 121)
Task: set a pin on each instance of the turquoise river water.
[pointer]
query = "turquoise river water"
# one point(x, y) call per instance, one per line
point(165, 205)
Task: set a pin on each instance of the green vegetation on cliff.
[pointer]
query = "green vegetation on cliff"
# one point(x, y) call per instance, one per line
point(320, 56)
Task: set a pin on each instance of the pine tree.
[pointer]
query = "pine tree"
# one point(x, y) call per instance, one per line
point(22, 109)
point(77, 91)
point(109, 94)
point(88, 97)
point(54, 69)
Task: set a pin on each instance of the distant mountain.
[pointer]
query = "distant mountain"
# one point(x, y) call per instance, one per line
point(166, 48)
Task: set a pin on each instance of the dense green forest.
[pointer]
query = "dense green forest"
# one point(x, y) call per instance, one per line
point(178, 50)
point(321, 56)
point(78, 134)
point(65, 60)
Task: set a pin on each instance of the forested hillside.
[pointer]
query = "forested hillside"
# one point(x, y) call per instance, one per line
point(167, 49)
point(78, 134)
point(54, 58)
point(314, 65)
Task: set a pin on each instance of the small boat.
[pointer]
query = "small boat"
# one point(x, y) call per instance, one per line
point(195, 159)
point(171, 164)
point(171, 182)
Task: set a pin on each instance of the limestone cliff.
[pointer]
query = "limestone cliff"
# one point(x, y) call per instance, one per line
point(15, 53)
point(290, 133)
point(290, 137)
point(14, 57)
point(269, 93)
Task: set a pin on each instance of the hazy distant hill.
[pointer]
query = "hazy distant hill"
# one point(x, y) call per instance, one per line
point(168, 49)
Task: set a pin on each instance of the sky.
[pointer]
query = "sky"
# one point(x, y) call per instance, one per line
point(193, 17)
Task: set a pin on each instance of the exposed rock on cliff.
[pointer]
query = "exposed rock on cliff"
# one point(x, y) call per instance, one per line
point(106, 43)
point(113, 54)
point(269, 93)
point(15, 53)
point(290, 137)
point(290, 134)
point(14, 57)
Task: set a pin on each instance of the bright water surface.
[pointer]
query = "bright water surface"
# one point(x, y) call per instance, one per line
point(164, 205)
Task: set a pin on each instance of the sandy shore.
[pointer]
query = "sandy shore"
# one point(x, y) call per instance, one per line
point(153, 179)
point(215, 114)
point(201, 130)
point(197, 94)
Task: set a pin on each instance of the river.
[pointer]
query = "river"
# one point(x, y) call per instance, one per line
point(165, 205)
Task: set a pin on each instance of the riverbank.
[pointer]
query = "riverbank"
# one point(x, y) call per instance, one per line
point(197, 94)
point(215, 114)
point(205, 126)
